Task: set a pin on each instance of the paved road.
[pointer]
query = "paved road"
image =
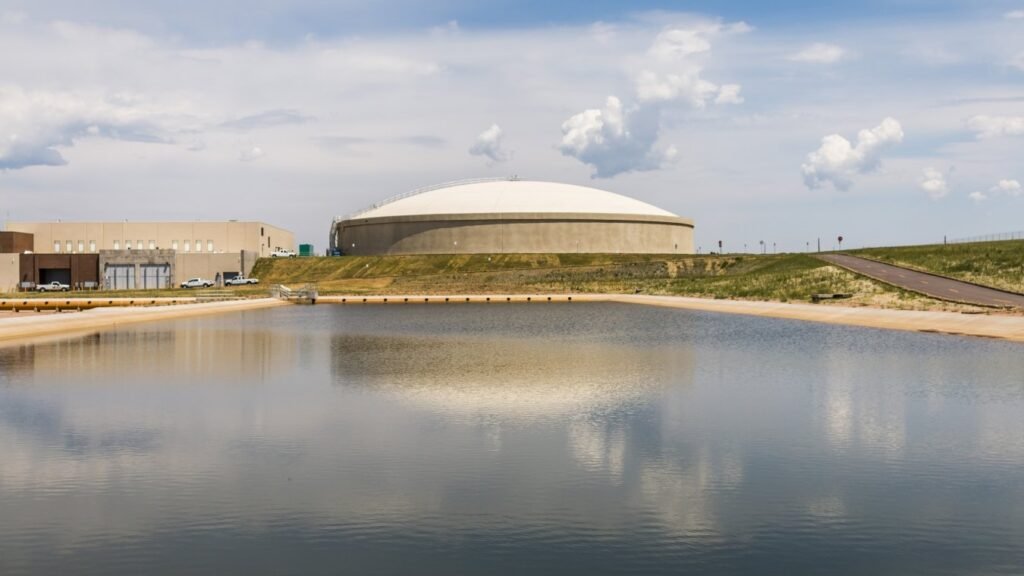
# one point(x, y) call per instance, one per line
point(936, 286)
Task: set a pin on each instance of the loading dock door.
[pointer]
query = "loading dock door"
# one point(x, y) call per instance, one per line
point(119, 277)
point(156, 276)
point(62, 275)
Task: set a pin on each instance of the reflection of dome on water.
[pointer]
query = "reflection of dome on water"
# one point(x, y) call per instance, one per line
point(508, 377)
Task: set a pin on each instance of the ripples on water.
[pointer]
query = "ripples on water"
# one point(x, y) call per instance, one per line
point(563, 439)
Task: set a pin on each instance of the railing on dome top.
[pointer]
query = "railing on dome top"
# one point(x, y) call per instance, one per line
point(421, 191)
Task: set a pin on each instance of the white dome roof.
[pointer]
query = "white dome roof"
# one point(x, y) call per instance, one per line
point(510, 196)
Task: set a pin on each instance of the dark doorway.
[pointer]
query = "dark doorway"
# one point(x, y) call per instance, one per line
point(62, 275)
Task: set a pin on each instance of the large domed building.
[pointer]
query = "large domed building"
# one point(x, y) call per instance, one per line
point(511, 216)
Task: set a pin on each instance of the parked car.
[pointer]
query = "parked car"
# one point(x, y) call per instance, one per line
point(196, 283)
point(54, 286)
point(282, 253)
point(241, 281)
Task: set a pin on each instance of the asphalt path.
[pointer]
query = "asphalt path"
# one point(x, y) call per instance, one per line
point(935, 286)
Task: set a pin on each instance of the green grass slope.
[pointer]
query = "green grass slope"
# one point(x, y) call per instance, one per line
point(782, 277)
point(997, 264)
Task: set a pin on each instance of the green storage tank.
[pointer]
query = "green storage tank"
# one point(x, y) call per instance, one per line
point(305, 249)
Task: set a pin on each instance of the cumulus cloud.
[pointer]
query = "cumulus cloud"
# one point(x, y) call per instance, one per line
point(1005, 187)
point(35, 125)
point(1008, 187)
point(992, 126)
point(614, 140)
point(679, 43)
point(819, 53)
point(489, 145)
point(838, 160)
point(673, 72)
point(622, 138)
point(934, 183)
point(688, 87)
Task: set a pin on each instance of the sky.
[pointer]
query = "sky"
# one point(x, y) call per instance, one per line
point(888, 123)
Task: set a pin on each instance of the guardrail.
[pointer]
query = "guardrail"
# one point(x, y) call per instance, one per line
point(305, 295)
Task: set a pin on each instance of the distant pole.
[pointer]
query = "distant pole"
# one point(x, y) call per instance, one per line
point(819, 243)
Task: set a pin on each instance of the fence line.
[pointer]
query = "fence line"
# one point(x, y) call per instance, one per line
point(1018, 235)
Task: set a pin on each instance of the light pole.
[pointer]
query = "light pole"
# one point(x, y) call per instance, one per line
point(763, 248)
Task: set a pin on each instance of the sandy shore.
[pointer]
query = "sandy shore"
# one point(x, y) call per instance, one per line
point(27, 325)
point(984, 325)
point(16, 327)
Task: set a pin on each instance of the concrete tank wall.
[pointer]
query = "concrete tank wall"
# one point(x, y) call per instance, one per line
point(526, 233)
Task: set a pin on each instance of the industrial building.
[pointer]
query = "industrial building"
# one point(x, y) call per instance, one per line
point(509, 215)
point(132, 255)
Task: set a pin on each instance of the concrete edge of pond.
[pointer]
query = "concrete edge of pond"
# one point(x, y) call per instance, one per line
point(16, 329)
point(952, 323)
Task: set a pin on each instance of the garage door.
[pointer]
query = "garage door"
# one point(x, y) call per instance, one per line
point(119, 277)
point(62, 275)
point(155, 276)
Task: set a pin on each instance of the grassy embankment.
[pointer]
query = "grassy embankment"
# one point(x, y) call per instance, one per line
point(783, 277)
point(997, 264)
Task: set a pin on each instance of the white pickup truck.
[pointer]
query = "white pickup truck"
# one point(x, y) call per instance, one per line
point(241, 281)
point(196, 283)
point(54, 286)
point(282, 253)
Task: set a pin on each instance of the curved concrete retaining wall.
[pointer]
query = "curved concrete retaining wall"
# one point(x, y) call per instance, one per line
point(514, 233)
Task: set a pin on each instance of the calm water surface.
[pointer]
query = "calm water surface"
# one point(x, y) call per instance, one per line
point(510, 439)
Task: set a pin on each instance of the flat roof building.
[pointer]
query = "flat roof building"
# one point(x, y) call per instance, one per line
point(133, 255)
point(182, 237)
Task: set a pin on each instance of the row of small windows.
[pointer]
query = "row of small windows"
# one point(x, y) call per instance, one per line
point(187, 246)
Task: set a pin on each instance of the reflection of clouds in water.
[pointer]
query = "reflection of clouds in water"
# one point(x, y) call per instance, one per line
point(596, 448)
point(858, 411)
point(508, 378)
point(684, 494)
point(461, 434)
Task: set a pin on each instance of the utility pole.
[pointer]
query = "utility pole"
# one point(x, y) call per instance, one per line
point(819, 243)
